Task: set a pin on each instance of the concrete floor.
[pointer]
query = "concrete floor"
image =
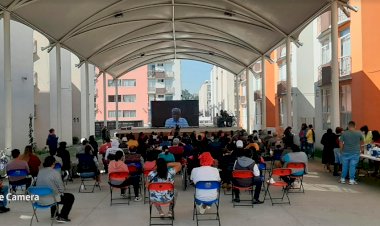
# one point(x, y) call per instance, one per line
point(325, 202)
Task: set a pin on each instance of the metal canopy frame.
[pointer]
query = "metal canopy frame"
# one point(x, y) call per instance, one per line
point(121, 35)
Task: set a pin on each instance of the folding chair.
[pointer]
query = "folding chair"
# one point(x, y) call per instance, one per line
point(160, 187)
point(135, 171)
point(45, 193)
point(263, 171)
point(145, 178)
point(87, 176)
point(206, 185)
point(298, 170)
point(239, 175)
point(281, 172)
point(114, 180)
point(17, 173)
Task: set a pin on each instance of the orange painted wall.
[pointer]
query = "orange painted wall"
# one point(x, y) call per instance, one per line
point(366, 82)
point(270, 95)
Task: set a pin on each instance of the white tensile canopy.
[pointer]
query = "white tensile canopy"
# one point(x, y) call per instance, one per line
point(120, 35)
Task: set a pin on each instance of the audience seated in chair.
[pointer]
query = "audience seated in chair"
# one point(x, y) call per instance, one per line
point(4, 192)
point(49, 177)
point(88, 163)
point(245, 162)
point(205, 173)
point(165, 172)
point(33, 161)
point(118, 165)
point(295, 156)
point(18, 164)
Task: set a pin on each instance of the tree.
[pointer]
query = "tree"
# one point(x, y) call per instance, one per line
point(186, 95)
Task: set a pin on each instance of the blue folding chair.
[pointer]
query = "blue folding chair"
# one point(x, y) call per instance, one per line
point(17, 173)
point(88, 176)
point(46, 194)
point(206, 185)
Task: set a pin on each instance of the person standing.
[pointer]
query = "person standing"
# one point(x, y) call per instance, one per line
point(337, 154)
point(52, 140)
point(288, 138)
point(351, 142)
point(302, 135)
point(310, 139)
point(328, 141)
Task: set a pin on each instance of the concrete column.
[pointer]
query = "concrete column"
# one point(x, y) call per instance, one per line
point(237, 101)
point(248, 99)
point(116, 81)
point(289, 107)
point(335, 112)
point(263, 94)
point(8, 84)
point(59, 88)
point(105, 98)
point(87, 99)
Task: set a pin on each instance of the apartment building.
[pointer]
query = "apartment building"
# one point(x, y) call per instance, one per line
point(132, 100)
point(358, 66)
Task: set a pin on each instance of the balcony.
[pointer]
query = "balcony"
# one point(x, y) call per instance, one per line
point(345, 66)
point(170, 90)
point(342, 17)
point(325, 74)
point(257, 95)
point(160, 74)
point(151, 89)
point(161, 91)
point(281, 88)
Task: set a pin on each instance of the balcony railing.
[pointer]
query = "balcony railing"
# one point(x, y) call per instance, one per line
point(342, 17)
point(325, 74)
point(345, 66)
point(151, 89)
point(160, 74)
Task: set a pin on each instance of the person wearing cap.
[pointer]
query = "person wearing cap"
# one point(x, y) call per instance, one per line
point(177, 150)
point(205, 173)
point(176, 120)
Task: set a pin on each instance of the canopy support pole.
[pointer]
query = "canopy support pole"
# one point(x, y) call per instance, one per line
point(8, 84)
point(105, 99)
point(58, 67)
point(263, 94)
point(87, 99)
point(248, 100)
point(288, 83)
point(237, 100)
point(335, 113)
point(116, 81)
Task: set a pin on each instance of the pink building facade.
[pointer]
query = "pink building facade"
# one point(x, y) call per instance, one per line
point(132, 96)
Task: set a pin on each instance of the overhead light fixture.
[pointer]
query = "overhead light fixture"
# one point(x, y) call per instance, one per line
point(142, 54)
point(211, 53)
point(119, 15)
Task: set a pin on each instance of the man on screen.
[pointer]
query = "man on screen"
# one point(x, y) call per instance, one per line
point(176, 120)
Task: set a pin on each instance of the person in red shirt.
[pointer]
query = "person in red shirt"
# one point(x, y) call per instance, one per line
point(33, 161)
point(177, 150)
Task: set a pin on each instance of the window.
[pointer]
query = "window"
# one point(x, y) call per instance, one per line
point(160, 96)
point(129, 98)
point(326, 121)
point(152, 83)
point(282, 73)
point(129, 82)
point(169, 97)
point(282, 110)
point(326, 52)
point(112, 114)
point(160, 80)
point(112, 83)
point(258, 113)
point(111, 98)
point(129, 113)
point(345, 40)
point(160, 65)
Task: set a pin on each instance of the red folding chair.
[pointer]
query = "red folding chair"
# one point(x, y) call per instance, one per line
point(145, 179)
point(115, 180)
point(281, 172)
point(298, 170)
point(160, 187)
point(239, 175)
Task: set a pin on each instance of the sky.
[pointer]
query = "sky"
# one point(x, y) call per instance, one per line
point(194, 73)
